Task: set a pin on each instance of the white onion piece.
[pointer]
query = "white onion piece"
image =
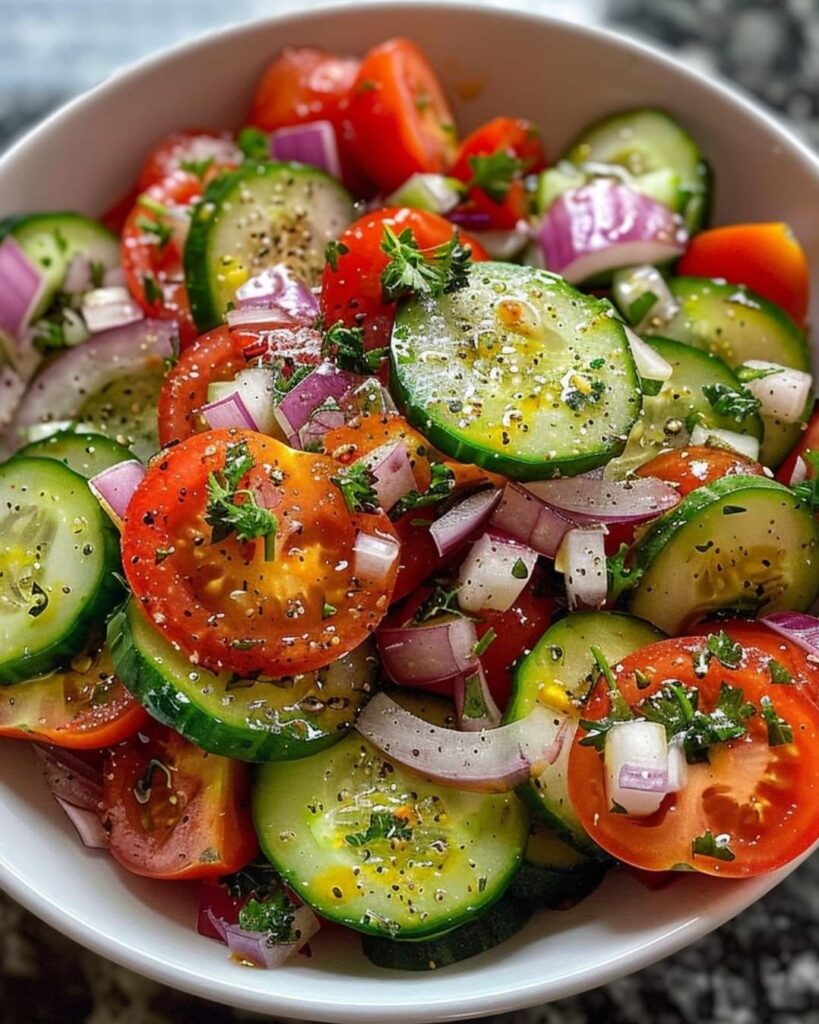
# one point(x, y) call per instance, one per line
point(462, 520)
point(115, 276)
point(494, 573)
point(529, 520)
point(677, 767)
point(419, 655)
point(631, 284)
point(12, 387)
point(474, 704)
point(783, 393)
point(636, 763)
point(374, 556)
point(254, 386)
point(21, 287)
point(591, 499)
point(106, 308)
point(713, 437)
point(491, 761)
point(114, 487)
point(313, 143)
point(582, 560)
point(799, 627)
point(227, 412)
point(799, 473)
point(650, 364)
point(391, 468)
point(259, 949)
point(299, 404)
point(78, 275)
point(606, 225)
point(433, 192)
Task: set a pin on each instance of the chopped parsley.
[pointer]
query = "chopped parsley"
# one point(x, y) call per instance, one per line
point(161, 232)
point(483, 644)
point(225, 515)
point(780, 732)
point(440, 602)
point(749, 373)
point(383, 825)
point(97, 269)
point(621, 579)
point(274, 916)
point(333, 251)
point(808, 490)
point(198, 168)
point(415, 271)
point(287, 376)
point(716, 847)
point(493, 173)
point(519, 570)
point(737, 403)
point(153, 292)
point(778, 672)
point(584, 393)
point(345, 346)
point(255, 144)
point(441, 486)
point(728, 652)
point(619, 711)
point(356, 485)
point(328, 610)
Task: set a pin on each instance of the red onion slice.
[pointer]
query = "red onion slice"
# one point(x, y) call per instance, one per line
point(418, 655)
point(277, 288)
point(494, 573)
point(87, 824)
point(642, 778)
point(391, 468)
point(456, 526)
point(799, 627)
point(21, 287)
point(492, 761)
point(474, 704)
point(260, 949)
point(77, 788)
point(103, 309)
point(606, 225)
point(530, 521)
point(229, 411)
point(114, 487)
point(78, 276)
point(313, 144)
point(313, 432)
point(592, 500)
point(299, 404)
point(472, 220)
point(374, 555)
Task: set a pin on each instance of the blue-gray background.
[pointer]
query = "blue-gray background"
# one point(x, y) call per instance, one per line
point(762, 968)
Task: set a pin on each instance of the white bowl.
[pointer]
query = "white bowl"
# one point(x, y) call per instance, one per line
point(562, 76)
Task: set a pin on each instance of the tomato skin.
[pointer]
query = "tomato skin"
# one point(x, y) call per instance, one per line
point(202, 828)
point(515, 136)
point(809, 441)
point(305, 84)
point(167, 157)
point(765, 257)
point(397, 96)
point(697, 465)
point(352, 292)
point(758, 795)
point(222, 602)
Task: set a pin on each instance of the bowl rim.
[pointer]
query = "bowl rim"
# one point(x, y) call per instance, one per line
point(529, 991)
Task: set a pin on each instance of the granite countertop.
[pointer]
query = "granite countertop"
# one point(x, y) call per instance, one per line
point(761, 968)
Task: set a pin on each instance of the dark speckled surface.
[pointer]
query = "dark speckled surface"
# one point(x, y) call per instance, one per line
point(761, 968)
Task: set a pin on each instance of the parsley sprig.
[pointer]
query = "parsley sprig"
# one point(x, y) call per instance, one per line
point(415, 271)
point(736, 403)
point(356, 484)
point(441, 601)
point(619, 710)
point(716, 847)
point(345, 346)
point(225, 515)
point(493, 173)
point(728, 653)
point(274, 916)
point(441, 486)
point(675, 707)
point(780, 732)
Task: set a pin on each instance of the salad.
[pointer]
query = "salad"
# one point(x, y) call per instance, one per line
point(402, 528)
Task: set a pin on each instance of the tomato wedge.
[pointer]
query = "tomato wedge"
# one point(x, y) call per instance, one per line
point(808, 442)
point(84, 707)
point(755, 799)
point(351, 285)
point(174, 811)
point(222, 601)
point(765, 257)
point(397, 97)
point(195, 151)
point(692, 467)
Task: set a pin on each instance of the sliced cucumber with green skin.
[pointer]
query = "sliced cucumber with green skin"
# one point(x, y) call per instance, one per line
point(667, 418)
point(517, 372)
point(663, 186)
point(648, 140)
point(256, 217)
point(248, 719)
point(52, 240)
point(494, 926)
point(125, 410)
point(446, 854)
point(58, 556)
point(86, 454)
point(559, 672)
point(555, 874)
point(740, 544)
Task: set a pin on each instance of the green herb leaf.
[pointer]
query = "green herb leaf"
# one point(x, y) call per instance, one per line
point(483, 644)
point(255, 144)
point(356, 485)
point(620, 578)
point(345, 346)
point(749, 373)
point(578, 398)
point(153, 292)
point(332, 252)
point(715, 847)
point(737, 403)
point(493, 173)
point(199, 168)
point(160, 231)
point(428, 272)
point(383, 825)
point(440, 602)
point(619, 710)
point(274, 916)
point(519, 570)
point(780, 732)
point(808, 490)
point(778, 672)
point(728, 652)
point(225, 515)
point(441, 486)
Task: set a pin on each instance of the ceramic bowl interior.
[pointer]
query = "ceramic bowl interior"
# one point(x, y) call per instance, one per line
point(492, 62)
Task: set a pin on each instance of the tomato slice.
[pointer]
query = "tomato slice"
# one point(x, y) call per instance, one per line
point(808, 442)
point(759, 797)
point(397, 97)
point(305, 84)
point(516, 138)
point(765, 257)
point(199, 149)
point(372, 430)
point(697, 465)
point(84, 707)
point(174, 811)
point(351, 286)
point(221, 601)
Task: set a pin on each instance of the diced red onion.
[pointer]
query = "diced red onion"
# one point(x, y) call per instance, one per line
point(261, 950)
point(631, 284)
point(21, 287)
point(106, 308)
point(114, 487)
point(87, 824)
point(218, 924)
point(492, 761)
point(582, 560)
point(590, 499)
point(798, 627)
point(650, 364)
point(799, 473)
point(278, 289)
point(322, 421)
point(374, 556)
point(391, 468)
point(78, 276)
point(115, 276)
point(254, 385)
point(494, 573)
point(418, 655)
point(783, 393)
point(313, 144)
point(229, 411)
point(298, 405)
point(475, 706)
point(606, 225)
point(643, 779)
point(77, 788)
point(713, 437)
point(457, 525)
point(529, 520)
point(472, 220)
point(636, 765)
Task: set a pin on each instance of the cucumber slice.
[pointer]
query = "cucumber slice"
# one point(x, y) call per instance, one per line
point(446, 854)
point(554, 874)
point(663, 185)
point(645, 141)
point(494, 926)
point(740, 544)
point(86, 454)
point(668, 417)
point(52, 240)
point(248, 719)
point(517, 372)
point(559, 672)
point(124, 409)
point(58, 555)
point(253, 218)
